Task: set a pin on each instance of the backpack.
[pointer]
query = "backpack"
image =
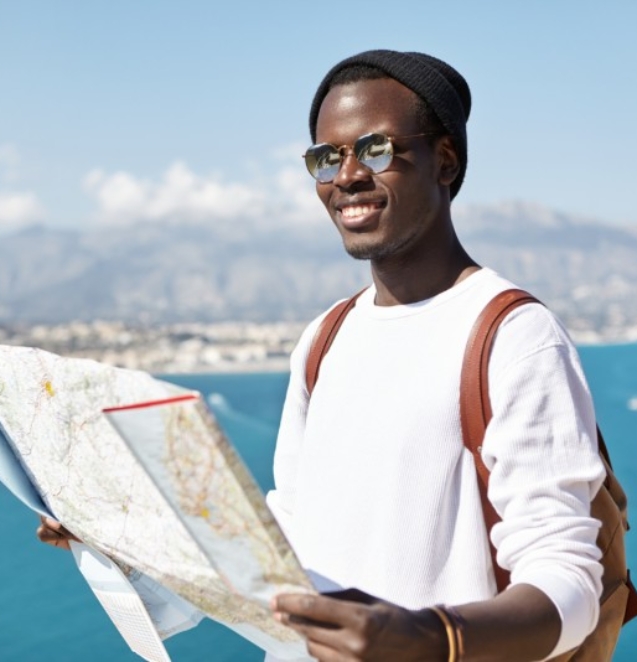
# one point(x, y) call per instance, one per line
point(618, 603)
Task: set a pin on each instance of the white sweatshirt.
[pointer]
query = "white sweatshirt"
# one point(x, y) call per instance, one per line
point(375, 489)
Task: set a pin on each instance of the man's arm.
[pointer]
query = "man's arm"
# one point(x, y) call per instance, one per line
point(541, 449)
point(520, 624)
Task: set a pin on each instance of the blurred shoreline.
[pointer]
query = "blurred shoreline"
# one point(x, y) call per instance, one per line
point(179, 348)
point(224, 347)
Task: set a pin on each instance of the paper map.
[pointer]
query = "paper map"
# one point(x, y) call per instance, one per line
point(153, 484)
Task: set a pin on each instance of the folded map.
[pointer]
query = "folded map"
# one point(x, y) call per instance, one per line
point(139, 470)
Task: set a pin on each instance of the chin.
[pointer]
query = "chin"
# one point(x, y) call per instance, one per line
point(378, 250)
point(368, 252)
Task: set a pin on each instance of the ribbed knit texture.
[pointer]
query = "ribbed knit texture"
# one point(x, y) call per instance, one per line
point(376, 491)
point(438, 83)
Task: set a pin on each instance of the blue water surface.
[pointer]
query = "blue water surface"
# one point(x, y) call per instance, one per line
point(48, 613)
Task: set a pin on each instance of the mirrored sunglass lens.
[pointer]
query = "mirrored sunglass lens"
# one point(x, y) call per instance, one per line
point(323, 162)
point(374, 151)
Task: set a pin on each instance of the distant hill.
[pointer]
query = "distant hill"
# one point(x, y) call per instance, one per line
point(586, 271)
point(150, 273)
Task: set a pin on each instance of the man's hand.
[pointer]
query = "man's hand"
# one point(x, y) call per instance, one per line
point(53, 533)
point(519, 624)
point(352, 626)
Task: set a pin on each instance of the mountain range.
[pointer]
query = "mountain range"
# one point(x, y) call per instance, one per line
point(239, 269)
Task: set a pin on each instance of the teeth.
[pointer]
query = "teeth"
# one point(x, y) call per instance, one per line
point(357, 210)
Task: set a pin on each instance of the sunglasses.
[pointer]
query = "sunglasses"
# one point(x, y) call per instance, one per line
point(375, 151)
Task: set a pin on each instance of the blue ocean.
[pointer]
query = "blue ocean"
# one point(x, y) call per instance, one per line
point(48, 613)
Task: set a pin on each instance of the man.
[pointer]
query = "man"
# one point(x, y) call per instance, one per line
point(373, 485)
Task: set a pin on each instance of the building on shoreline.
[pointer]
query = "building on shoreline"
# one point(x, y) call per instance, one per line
point(215, 347)
point(179, 348)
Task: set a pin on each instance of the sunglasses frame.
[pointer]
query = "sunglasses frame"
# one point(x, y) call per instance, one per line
point(345, 150)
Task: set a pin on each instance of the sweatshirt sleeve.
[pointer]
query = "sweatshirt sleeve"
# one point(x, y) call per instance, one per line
point(541, 449)
point(291, 432)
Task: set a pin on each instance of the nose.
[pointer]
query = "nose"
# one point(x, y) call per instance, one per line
point(351, 171)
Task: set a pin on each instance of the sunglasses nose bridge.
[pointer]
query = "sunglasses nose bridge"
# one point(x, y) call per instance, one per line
point(344, 151)
point(351, 169)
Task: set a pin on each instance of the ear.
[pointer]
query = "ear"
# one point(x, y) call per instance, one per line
point(448, 161)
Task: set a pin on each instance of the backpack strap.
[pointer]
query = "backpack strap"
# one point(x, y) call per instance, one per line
point(475, 407)
point(324, 337)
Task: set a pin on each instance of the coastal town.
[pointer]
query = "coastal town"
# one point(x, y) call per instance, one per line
point(205, 297)
point(177, 348)
point(211, 347)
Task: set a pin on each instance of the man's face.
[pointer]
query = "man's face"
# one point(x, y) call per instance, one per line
point(392, 213)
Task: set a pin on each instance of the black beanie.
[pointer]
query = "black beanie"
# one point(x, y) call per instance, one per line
point(439, 84)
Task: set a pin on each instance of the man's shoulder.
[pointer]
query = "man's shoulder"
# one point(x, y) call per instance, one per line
point(528, 329)
point(307, 336)
point(529, 336)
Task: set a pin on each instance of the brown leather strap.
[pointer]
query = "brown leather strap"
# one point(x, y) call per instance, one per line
point(475, 407)
point(323, 339)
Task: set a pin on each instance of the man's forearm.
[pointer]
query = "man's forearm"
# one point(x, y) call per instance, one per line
point(520, 624)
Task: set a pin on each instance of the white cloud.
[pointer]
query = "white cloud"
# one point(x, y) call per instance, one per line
point(285, 195)
point(19, 208)
point(119, 195)
point(180, 194)
point(295, 190)
point(16, 207)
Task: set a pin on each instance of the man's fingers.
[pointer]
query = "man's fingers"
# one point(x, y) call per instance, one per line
point(353, 595)
point(53, 533)
point(325, 641)
point(52, 538)
point(303, 624)
point(330, 641)
point(323, 653)
point(318, 609)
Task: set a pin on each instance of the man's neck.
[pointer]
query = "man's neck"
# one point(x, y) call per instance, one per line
point(402, 282)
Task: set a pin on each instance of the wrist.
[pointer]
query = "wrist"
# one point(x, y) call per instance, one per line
point(453, 627)
point(434, 636)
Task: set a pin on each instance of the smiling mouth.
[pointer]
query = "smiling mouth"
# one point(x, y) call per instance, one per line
point(351, 212)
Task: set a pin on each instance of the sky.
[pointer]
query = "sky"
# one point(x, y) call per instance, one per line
point(144, 110)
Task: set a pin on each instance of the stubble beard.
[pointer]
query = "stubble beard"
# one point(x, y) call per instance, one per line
point(378, 252)
point(368, 252)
